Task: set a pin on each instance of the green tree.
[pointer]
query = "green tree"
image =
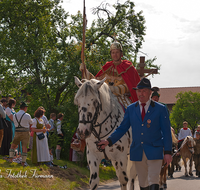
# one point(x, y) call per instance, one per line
point(40, 51)
point(187, 108)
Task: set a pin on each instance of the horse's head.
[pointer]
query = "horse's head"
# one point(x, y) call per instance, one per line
point(190, 143)
point(89, 104)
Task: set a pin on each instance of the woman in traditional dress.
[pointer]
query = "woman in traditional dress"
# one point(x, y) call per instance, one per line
point(40, 150)
point(9, 128)
point(2, 123)
point(9, 114)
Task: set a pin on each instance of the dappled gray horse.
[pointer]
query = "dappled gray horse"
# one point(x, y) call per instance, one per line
point(100, 114)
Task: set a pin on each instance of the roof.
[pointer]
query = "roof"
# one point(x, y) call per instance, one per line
point(168, 95)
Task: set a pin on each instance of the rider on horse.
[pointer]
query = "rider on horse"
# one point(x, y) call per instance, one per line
point(121, 76)
point(184, 132)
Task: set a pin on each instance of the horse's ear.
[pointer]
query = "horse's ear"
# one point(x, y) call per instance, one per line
point(98, 85)
point(77, 81)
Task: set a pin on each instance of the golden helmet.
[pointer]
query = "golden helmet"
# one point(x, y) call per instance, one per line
point(116, 45)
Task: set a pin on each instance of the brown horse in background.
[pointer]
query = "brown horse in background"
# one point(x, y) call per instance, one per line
point(175, 157)
point(163, 172)
point(186, 152)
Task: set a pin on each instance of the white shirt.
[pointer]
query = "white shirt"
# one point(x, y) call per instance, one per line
point(58, 124)
point(51, 122)
point(195, 136)
point(146, 107)
point(44, 118)
point(2, 112)
point(184, 133)
point(26, 119)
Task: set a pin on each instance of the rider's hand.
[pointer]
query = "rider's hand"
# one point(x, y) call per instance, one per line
point(114, 89)
point(81, 68)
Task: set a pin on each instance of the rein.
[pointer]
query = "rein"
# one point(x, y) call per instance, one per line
point(186, 142)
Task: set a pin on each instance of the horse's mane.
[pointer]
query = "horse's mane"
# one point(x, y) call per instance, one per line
point(103, 96)
point(188, 138)
point(174, 139)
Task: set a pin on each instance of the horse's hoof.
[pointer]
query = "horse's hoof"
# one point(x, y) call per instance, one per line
point(161, 189)
point(186, 175)
point(190, 174)
point(165, 186)
point(171, 176)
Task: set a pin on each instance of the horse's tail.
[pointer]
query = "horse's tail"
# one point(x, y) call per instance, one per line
point(181, 163)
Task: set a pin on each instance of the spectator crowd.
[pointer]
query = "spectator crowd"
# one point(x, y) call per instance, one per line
point(19, 133)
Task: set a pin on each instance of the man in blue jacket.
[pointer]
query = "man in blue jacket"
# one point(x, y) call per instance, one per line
point(151, 136)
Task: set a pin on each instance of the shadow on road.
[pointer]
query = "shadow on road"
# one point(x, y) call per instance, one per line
point(194, 177)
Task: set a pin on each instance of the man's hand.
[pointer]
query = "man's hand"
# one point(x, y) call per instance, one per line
point(48, 126)
point(167, 159)
point(102, 144)
point(81, 68)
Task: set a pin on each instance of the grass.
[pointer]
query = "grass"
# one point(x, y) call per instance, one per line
point(15, 177)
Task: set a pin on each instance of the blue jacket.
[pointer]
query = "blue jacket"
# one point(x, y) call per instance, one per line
point(153, 135)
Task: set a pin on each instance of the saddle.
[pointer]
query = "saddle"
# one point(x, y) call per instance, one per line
point(78, 146)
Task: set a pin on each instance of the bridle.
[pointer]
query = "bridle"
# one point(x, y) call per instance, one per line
point(94, 124)
point(190, 147)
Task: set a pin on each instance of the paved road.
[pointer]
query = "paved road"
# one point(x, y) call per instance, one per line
point(179, 182)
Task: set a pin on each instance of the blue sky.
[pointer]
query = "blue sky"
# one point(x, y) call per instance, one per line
point(172, 35)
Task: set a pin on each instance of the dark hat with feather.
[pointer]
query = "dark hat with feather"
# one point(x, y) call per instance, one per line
point(155, 91)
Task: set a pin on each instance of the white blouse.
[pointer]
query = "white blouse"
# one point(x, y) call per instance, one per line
point(8, 111)
point(35, 122)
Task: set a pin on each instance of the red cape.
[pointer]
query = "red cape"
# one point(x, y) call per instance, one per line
point(128, 73)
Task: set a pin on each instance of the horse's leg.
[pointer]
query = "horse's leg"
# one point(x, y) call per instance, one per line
point(165, 177)
point(190, 170)
point(185, 164)
point(120, 166)
point(161, 178)
point(131, 173)
point(171, 168)
point(93, 163)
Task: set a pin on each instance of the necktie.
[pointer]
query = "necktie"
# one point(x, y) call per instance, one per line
point(143, 110)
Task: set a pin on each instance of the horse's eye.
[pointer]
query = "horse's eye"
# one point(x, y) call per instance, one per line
point(88, 104)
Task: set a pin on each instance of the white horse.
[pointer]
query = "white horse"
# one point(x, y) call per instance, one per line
point(100, 114)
